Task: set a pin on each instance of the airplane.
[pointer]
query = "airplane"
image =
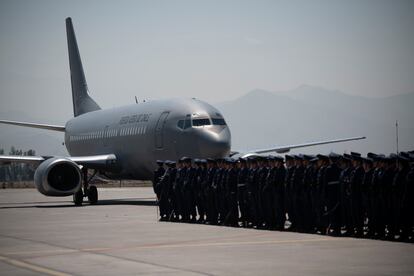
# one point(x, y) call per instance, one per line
point(124, 142)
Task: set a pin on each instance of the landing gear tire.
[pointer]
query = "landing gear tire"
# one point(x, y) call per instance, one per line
point(93, 195)
point(78, 198)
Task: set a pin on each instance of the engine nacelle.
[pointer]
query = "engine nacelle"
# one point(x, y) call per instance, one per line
point(58, 177)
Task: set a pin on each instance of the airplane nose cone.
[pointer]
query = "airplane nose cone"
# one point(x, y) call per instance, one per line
point(215, 143)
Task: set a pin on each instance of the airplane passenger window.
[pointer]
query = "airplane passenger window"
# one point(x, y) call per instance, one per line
point(218, 121)
point(201, 122)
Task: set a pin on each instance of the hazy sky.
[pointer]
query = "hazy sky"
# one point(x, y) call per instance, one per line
point(213, 50)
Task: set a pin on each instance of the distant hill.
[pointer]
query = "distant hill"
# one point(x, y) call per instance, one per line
point(262, 118)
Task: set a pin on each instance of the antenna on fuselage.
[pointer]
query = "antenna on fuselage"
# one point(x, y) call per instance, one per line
point(136, 100)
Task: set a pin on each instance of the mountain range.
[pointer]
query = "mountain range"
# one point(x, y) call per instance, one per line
point(262, 118)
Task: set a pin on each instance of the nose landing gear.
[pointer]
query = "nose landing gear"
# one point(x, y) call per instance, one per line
point(91, 192)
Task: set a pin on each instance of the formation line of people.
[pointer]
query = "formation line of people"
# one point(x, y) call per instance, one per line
point(339, 195)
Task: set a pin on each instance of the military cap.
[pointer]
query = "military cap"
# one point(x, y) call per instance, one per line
point(379, 157)
point(252, 158)
point(242, 160)
point(289, 157)
point(298, 157)
point(393, 157)
point(159, 162)
point(322, 157)
point(313, 160)
point(228, 160)
point(371, 155)
point(402, 158)
point(347, 157)
point(211, 160)
point(334, 155)
point(185, 159)
point(203, 161)
point(356, 156)
point(308, 157)
point(367, 160)
point(279, 158)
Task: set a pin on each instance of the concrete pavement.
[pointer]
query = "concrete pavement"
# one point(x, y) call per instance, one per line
point(122, 236)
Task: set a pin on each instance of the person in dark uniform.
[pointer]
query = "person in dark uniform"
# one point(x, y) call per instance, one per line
point(408, 205)
point(242, 190)
point(368, 213)
point(218, 184)
point(262, 170)
point(290, 167)
point(199, 188)
point(346, 193)
point(166, 182)
point(171, 196)
point(232, 216)
point(190, 214)
point(268, 195)
point(319, 194)
point(387, 197)
point(297, 194)
point(378, 196)
point(398, 191)
point(177, 190)
point(332, 191)
point(373, 195)
point(279, 203)
point(210, 192)
point(311, 173)
point(252, 191)
point(357, 176)
point(309, 179)
point(158, 173)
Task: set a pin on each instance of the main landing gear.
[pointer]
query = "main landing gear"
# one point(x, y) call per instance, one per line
point(91, 192)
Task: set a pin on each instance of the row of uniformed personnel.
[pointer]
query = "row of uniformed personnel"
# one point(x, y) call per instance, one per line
point(337, 194)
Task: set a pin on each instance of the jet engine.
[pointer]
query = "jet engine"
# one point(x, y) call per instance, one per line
point(58, 177)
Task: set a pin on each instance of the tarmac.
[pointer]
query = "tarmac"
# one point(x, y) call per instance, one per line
point(122, 236)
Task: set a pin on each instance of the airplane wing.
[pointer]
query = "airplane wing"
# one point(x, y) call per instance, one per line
point(33, 125)
point(287, 148)
point(93, 161)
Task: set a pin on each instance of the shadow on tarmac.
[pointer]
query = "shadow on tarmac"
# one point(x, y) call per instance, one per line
point(67, 204)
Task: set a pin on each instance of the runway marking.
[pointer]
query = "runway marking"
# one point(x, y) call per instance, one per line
point(99, 249)
point(211, 244)
point(32, 267)
point(183, 244)
point(52, 251)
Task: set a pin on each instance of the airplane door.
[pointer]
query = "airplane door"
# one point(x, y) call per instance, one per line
point(159, 130)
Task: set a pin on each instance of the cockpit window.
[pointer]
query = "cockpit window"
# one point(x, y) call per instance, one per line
point(187, 122)
point(218, 121)
point(201, 122)
point(180, 124)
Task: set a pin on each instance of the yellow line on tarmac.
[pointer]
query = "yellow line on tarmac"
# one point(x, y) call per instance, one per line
point(32, 267)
